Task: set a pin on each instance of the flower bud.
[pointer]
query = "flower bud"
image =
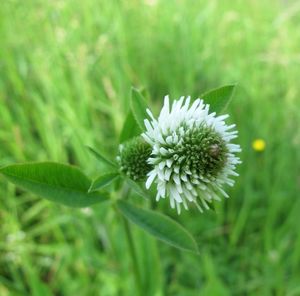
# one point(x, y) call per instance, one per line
point(132, 158)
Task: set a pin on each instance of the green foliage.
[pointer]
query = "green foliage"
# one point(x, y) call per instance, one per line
point(103, 181)
point(138, 107)
point(130, 128)
point(160, 226)
point(219, 98)
point(65, 71)
point(54, 181)
point(138, 189)
point(102, 158)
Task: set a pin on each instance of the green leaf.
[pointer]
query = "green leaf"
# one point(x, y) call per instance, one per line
point(138, 107)
point(219, 98)
point(130, 128)
point(103, 181)
point(54, 181)
point(101, 158)
point(137, 188)
point(160, 226)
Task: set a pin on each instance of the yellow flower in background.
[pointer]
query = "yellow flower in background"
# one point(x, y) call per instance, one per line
point(259, 145)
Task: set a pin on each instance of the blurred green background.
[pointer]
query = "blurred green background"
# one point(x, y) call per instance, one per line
point(66, 68)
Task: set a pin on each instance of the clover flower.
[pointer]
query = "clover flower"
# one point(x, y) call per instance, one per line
point(192, 154)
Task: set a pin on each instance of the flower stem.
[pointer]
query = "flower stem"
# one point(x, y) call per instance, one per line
point(132, 249)
point(133, 255)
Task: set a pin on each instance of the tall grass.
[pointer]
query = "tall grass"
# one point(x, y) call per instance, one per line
point(66, 68)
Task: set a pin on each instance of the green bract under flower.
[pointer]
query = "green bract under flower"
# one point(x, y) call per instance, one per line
point(132, 158)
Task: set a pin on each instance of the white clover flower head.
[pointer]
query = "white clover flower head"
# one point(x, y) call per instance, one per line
point(192, 154)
